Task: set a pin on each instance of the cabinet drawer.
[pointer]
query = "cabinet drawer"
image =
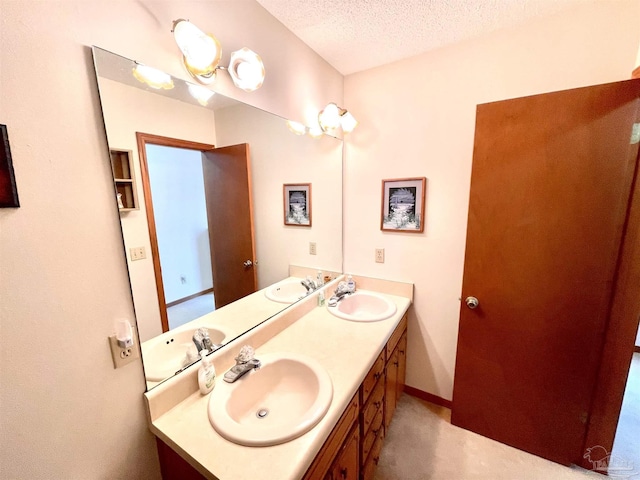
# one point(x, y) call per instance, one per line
point(369, 468)
point(327, 454)
point(395, 336)
point(372, 434)
point(369, 383)
point(372, 406)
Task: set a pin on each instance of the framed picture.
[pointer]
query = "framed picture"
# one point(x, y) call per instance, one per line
point(297, 204)
point(403, 205)
point(8, 189)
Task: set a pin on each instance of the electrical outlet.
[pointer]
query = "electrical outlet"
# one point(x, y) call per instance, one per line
point(379, 255)
point(137, 253)
point(122, 355)
point(312, 248)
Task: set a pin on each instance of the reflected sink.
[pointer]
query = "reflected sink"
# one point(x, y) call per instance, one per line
point(364, 306)
point(166, 354)
point(287, 291)
point(281, 401)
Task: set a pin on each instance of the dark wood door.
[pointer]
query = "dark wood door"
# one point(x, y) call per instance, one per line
point(550, 190)
point(230, 215)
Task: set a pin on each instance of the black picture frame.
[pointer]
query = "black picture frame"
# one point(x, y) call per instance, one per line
point(8, 188)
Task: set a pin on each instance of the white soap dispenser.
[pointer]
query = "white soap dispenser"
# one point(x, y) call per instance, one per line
point(206, 374)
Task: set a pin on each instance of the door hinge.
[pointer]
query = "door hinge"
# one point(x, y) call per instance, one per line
point(635, 134)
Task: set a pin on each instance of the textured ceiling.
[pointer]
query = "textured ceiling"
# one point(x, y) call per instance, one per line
point(355, 35)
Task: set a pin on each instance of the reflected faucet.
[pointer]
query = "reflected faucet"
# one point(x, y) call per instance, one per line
point(203, 341)
point(245, 362)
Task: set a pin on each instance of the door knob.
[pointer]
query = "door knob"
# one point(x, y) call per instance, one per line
point(248, 263)
point(472, 302)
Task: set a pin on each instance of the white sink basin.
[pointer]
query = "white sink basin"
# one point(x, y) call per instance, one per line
point(287, 291)
point(282, 400)
point(166, 354)
point(363, 306)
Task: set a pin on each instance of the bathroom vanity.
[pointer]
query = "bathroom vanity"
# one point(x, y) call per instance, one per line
point(366, 363)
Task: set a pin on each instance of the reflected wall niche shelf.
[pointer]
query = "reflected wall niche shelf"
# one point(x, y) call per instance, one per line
point(123, 179)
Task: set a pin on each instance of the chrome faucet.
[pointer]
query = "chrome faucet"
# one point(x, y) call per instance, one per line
point(341, 292)
point(245, 362)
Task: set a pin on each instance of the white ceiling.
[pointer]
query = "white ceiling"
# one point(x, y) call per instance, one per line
point(355, 35)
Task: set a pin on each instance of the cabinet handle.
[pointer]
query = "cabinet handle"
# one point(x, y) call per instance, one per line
point(343, 473)
point(401, 352)
point(376, 375)
point(396, 363)
point(376, 460)
point(377, 404)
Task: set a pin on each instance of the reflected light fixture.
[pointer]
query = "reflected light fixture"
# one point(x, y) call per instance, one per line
point(333, 117)
point(200, 93)
point(316, 131)
point(296, 127)
point(201, 54)
point(153, 77)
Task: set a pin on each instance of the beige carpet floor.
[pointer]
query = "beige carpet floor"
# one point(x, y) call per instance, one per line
point(626, 447)
point(421, 444)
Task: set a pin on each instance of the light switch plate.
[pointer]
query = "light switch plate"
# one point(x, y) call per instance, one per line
point(312, 248)
point(379, 255)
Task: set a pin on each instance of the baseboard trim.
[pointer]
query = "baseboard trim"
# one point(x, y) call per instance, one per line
point(429, 397)
point(190, 297)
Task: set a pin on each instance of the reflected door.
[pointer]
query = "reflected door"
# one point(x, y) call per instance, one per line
point(550, 189)
point(230, 215)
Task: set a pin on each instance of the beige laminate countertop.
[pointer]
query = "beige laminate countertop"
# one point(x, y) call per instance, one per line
point(346, 349)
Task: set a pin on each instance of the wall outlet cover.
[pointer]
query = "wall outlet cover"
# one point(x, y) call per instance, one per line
point(379, 255)
point(121, 356)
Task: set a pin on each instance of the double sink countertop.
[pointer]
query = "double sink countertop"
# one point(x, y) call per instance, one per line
point(346, 349)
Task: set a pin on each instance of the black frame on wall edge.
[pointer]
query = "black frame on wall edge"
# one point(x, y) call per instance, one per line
point(8, 188)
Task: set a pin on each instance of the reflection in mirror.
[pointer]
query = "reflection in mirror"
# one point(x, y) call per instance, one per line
point(199, 185)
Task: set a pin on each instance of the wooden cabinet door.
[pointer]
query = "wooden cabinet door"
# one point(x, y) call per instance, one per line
point(347, 465)
point(550, 189)
point(402, 365)
point(391, 386)
point(227, 180)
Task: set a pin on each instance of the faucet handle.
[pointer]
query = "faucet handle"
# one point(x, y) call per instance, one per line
point(246, 353)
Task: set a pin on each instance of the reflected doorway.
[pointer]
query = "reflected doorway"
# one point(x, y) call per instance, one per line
point(198, 201)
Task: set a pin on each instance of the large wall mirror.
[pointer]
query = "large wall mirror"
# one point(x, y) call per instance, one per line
point(200, 187)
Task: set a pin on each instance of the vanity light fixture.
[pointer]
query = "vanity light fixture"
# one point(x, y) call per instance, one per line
point(153, 77)
point(333, 117)
point(296, 127)
point(200, 93)
point(201, 54)
point(246, 69)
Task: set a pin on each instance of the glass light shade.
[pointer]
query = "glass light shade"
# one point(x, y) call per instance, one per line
point(296, 127)
point(246, 69)
point(348, 122)
point(153, 77)
point(329, 117)
point(316, 132)
point(202, 94)
point(201, 52)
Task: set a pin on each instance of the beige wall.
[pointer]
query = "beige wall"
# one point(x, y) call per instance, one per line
point(65, 413)
point(417, 119)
